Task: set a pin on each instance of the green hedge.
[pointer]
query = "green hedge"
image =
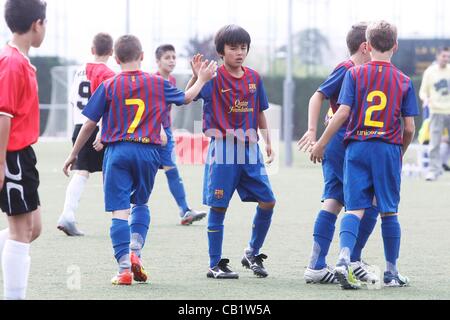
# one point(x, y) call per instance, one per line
point(304, 89)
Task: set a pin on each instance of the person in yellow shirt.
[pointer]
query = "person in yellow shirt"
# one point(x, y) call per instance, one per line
point(435, 92)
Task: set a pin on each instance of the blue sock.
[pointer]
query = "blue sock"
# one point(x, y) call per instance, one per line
point(139, 224)
point(349, 232)
point(215, 236)
point(120, 237)
point(323, 236)
point(177, 189)
point(391, 232)
point(261, 225)
point(368, 223)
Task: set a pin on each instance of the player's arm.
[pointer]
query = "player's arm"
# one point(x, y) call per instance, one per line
point(310, 137)
point(196, 64)
point(5, 127)
point(264, 129)
point(207, 72)
point(333, 127)
point(409, 131)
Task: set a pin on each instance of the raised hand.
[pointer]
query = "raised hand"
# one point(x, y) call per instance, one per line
point(196, 64)
point(208, 70)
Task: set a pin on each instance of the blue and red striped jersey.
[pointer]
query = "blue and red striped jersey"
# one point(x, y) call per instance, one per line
point(379, 96)
point(167, 121)
point(132, 105)
point(232, 105)
point(331, 87)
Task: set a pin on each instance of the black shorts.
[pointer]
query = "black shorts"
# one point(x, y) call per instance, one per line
point(19, 194)
point(88, 159)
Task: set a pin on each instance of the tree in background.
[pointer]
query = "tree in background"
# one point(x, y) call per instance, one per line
point(204, 46)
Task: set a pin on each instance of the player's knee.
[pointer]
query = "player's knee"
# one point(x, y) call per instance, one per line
point(332, 206)
point(267, 205)
point(166, 169)
point(37, 230)
point(220, 210)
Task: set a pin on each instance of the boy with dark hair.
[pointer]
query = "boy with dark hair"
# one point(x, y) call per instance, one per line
point(90, 159)
point(234, 105)
point(333, 172)
point(19, 130)
point(166, 58)
point(375, 96)
point(131, 105)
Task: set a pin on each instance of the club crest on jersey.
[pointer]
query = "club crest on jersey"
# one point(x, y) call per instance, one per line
point(252, 87)
point(219, 194)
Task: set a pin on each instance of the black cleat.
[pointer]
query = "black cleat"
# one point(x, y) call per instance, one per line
point(255, 263)
point(222, 271)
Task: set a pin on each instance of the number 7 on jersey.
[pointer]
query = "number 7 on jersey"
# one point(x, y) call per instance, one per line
point(137, 119)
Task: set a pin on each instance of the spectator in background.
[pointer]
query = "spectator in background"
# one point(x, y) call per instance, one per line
point(435, 93)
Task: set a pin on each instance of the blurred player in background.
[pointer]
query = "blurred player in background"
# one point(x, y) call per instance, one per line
point(166, 58)
point(90, 159)
point(19, 130)
point(132, 106)
point(333, 171)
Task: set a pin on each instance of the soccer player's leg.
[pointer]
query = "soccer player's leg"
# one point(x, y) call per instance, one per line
point(318, 270)
point(118, 185)
point(20, 201)
point(358, 194)
point(176, 186)
point(146, 164)
point(220, 181)
point(387, 188)
point(254, 186)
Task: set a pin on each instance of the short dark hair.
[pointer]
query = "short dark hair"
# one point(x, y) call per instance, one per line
point(231, 35)
point(356, 36)
point(442, 49)
point(382, 35)
point(103, 44)
point(161, 50)
point(21, 14)
point(128, 48)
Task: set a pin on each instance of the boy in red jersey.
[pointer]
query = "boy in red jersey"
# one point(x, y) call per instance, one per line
point(234, 105)
point(375, 97)
point(166, 58)
point(19, 129)
point(131, 105)
point(90, 160)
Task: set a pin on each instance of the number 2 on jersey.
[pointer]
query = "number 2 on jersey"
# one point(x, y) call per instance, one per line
point(379, 107)
point(139, 113)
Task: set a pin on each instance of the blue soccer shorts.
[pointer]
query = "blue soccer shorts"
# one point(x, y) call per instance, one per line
point(333, 168)
point(167, 152)
point(129, 171)
point(372, 168)
point(235, 166)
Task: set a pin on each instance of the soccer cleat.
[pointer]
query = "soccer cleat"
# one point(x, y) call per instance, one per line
point(363, 272)
point(323, 276)
point(446, 167)
point(139, 273)
point(255, 263)
point(125, 278)
point(430, 177)
point(69, 228)
point(192, 216)
point(395, 281)
point(346, 278)
point(222, 271)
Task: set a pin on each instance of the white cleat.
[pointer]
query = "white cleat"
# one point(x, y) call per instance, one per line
point(324, 276)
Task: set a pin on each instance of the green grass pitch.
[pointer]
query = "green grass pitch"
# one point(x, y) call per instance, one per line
point(176, 256)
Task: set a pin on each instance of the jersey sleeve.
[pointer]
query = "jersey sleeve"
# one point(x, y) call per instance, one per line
point(410, 107)
point(173, 94)
point(347, 94)
point(332, 85)
point(206, 92)
point(96, 106)
point(263, 101)
point(10, 87)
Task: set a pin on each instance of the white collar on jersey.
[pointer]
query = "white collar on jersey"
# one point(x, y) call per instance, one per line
point(28, 59)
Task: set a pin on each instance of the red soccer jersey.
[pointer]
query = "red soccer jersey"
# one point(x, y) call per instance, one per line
point(19, 98)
